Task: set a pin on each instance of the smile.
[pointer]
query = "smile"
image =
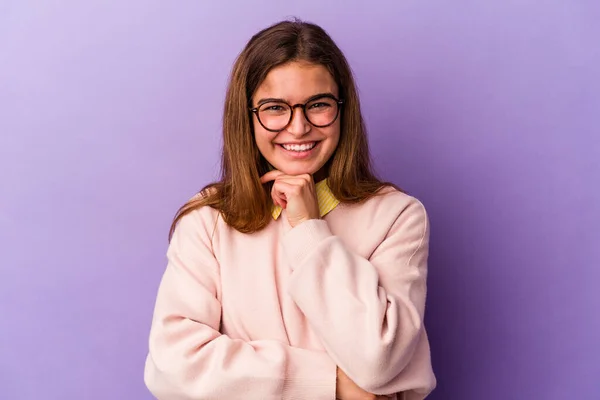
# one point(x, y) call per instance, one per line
point(299, 147)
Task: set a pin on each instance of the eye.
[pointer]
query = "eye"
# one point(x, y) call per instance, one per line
point(273, 108)
point(320, 105)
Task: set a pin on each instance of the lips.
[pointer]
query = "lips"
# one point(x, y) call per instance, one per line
point(299, 147)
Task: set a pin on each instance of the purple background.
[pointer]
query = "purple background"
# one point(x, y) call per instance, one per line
point(486, 111)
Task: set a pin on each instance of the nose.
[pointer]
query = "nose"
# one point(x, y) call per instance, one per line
point(298, 125)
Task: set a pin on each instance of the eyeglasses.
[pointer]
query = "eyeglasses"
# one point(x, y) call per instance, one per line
point(320, 111)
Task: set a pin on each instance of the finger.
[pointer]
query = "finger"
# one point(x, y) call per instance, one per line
point(301, 180)
point(286, 188)
point(307, 177)
point(282, 190)
point(292, 180)
point(279, 203)
point(278, 196)
point(278, 200)
point(270, 176)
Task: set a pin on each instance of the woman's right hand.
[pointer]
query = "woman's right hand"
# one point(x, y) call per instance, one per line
point(346, 389)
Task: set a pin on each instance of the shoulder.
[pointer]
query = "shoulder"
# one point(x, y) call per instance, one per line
point(396, 204)
point(404, 216)
point(395, 212)
point(410, 218)
point(199, 213)
point(389, 210)
point(199, 222)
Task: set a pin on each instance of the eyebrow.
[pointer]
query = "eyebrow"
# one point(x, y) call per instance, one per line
point(311, 98)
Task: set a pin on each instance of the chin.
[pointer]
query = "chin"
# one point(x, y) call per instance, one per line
point(297, 170)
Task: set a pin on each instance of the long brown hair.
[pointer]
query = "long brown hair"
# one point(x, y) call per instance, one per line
point(243, 202)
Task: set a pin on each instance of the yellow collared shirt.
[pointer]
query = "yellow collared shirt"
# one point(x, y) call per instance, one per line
point(325, 198)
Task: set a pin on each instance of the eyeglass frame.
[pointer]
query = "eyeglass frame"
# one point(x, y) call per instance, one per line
point(339, 102)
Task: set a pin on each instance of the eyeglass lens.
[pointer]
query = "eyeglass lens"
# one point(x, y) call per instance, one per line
point(277, 115)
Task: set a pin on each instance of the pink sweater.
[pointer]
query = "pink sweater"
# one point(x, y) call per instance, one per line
point(270, 315)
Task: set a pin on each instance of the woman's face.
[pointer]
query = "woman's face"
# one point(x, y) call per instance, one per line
point(300, 148)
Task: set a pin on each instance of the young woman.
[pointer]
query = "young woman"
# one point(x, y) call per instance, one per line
point(298, 275)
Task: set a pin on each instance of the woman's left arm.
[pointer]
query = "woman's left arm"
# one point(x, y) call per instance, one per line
point(367, 312)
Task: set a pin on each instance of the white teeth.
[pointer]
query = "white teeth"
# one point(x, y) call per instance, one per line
point(299, 147)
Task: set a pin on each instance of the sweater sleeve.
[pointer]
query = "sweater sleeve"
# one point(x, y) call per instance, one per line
point(190, 359)
point(367, 312)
